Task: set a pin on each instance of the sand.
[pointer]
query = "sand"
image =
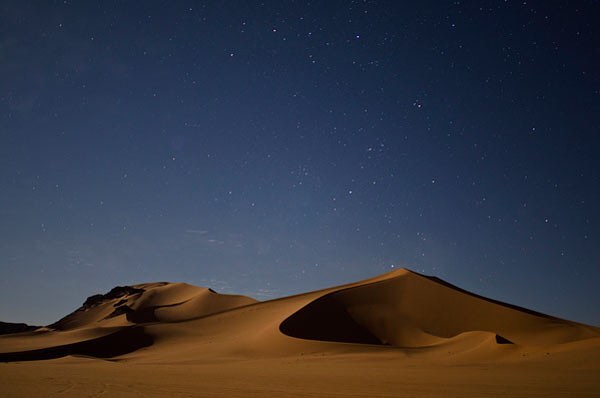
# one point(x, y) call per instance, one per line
point(401, 334)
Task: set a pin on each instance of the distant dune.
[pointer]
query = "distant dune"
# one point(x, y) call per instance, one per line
point(403, 319)
point(149, 302)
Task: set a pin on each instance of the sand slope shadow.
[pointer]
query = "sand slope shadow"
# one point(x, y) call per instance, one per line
point(121, 342)
point(327, 319)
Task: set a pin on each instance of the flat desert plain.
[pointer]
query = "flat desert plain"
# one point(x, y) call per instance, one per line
point(401, 334)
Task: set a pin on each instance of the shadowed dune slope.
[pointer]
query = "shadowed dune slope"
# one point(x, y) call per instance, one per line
point(119, 342)
point(412, 310)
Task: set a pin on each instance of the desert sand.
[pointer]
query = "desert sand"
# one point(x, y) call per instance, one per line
point(401, 334)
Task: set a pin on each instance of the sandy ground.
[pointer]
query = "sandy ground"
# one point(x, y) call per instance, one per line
point(397, 335)
point(342, 376)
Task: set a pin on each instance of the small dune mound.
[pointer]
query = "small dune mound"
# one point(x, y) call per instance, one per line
point(412, 310)
point(175, 302)
point(150, 302)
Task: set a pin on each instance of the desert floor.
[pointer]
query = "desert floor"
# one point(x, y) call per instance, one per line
point(310, 376)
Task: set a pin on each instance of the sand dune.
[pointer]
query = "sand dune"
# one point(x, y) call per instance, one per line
point(401, 318)
point(412, 310)
point(149, 302)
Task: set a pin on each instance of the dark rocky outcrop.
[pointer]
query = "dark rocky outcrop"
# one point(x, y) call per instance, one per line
point(8, 328)
point(116, 292)
point(119, 292)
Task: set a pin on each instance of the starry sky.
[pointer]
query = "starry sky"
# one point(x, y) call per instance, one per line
point(270, 148)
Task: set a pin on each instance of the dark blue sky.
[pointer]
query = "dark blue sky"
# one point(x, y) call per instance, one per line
point(277, 147)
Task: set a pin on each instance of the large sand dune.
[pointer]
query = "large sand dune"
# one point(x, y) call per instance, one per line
point(323, 342)
point(412, 311)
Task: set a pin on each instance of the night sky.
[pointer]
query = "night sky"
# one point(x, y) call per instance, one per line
point(271, 148)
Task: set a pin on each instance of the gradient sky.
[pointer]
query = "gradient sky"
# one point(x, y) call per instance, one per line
point(270, 148)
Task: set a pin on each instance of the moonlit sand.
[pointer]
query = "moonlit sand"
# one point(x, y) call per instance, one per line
point(401, 334)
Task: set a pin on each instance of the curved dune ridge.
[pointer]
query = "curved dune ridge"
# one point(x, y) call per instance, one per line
point(411, 310)
point(170, 322)
point(149, 302)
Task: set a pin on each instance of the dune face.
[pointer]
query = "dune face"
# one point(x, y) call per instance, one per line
point(411, 310)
